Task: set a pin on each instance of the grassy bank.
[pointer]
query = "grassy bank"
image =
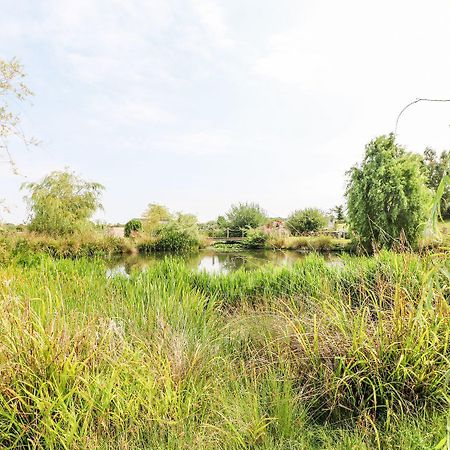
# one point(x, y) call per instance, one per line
point(305, 244)
point(348, 356)
point(98, 244)
point(26, 245)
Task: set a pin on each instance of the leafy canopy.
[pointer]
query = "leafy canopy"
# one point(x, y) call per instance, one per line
point(154, 216)
point(306, 220)
point(387, 196)
point(437, 167)
point(245, 215)
point(338, 212)
point(62, 203)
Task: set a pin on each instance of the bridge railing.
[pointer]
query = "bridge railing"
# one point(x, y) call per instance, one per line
point(228, 233)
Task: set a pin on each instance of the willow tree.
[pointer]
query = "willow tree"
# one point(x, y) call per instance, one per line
point(62, 203)
point(387, 196)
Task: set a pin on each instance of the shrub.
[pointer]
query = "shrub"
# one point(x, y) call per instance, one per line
point(174, 238)
point(306, 220)
point(132, 226)
point(255, 239)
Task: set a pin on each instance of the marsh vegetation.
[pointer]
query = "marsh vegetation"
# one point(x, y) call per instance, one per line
point(311, 356)
point(259, 341)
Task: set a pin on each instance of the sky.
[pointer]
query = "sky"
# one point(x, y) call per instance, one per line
point(199, 104)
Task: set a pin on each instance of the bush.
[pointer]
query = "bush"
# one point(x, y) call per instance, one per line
point(255, 239)
point(172, 238)
point(132, 226)
point(305, 221)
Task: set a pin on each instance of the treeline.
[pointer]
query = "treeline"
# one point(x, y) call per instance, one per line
point(393, 196)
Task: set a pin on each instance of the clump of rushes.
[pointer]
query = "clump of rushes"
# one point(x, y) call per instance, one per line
point(316, 356)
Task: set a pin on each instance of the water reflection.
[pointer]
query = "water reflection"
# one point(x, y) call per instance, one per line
point(211, 261)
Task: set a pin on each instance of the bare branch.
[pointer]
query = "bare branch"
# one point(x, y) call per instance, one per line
point(417, 100)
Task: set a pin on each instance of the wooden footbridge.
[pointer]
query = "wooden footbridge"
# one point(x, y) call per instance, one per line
point(226, 240)
point(231, 236)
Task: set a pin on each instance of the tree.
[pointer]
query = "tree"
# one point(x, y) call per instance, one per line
point(62, 203)
point(387, 196)
point(154, 216)
point(12, 90)
point(245, 215)
point(222, 222)
point(306, 220)
point(187, 221)
point(338, 213)
point(437, 168)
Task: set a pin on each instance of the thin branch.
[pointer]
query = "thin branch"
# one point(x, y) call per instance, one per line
point(417, 100)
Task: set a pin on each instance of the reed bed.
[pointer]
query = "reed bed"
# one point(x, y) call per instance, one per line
point(353, 355)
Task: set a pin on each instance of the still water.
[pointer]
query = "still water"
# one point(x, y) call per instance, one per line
point(213, 261)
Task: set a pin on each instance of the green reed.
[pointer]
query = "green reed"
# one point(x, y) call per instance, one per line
point(345, 355)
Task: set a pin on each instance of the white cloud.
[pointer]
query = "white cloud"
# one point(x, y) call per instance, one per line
point(200, 143)
point(284, 94)
point(129, 111)
point(358, 48)
point(211, 17)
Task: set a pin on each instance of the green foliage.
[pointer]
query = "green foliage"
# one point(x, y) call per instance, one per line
point(245, 215)
point(154, 217)
point(174, 238)
point(222, 222)
point(305, 221)
point(437, 168)
point(215, 228)
point(312, 357)
point(179, 234)
point(131, 226)
point(255, 238)
point(387, 197)
point(26, 246)
point(338, 213)
point(62, 204)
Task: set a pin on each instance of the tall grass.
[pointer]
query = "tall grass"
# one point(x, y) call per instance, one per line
point(27, 245)
point(318, 356)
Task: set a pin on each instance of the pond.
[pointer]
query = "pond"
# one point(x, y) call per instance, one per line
point(213, 261)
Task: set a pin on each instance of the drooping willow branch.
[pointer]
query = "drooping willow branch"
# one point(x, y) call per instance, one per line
point(417, 100)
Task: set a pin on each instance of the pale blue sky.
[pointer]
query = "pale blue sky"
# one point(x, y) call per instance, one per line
point(197, 104)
